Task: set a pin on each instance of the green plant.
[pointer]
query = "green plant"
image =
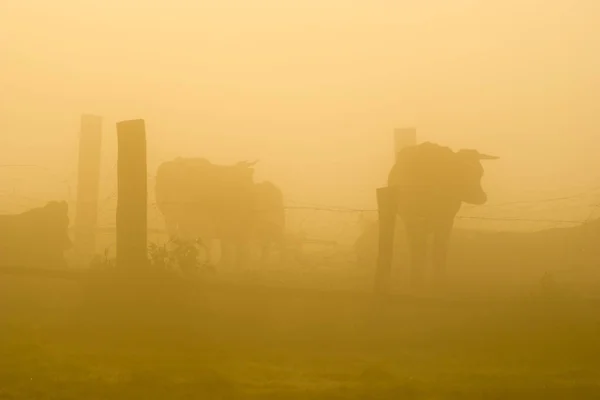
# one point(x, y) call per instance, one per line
point(178, 254)
point(158, 255)
point(103, 261)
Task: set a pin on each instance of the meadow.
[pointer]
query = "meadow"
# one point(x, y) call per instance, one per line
point(104, 335)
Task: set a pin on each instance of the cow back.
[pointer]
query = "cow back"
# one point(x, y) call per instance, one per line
point(38, 237)
point(425, 180)
point(210, 199)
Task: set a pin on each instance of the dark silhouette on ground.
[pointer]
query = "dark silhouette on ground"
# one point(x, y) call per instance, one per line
point(35, 238)
point(431, 182)
point(214, 202)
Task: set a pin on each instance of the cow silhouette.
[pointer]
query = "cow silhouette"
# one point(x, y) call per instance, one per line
point(430, 182)
point(199, 199)
point(35, 238)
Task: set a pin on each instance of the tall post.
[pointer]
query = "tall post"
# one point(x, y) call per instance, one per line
point(386, 206)
point(404, 137)
point(132, 194)
point(88, 182)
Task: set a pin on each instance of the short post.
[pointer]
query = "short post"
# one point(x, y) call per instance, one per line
point(404, 137)
point(86, 215)
point(386, 206)
point(132, 195)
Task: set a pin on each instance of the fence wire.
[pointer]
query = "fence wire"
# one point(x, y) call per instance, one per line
point(329, 221)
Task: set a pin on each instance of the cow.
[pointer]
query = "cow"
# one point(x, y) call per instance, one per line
point(35, 238)
point(199, 199)
point(430, 182)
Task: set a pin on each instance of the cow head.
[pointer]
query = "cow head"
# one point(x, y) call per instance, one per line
point(469, 172)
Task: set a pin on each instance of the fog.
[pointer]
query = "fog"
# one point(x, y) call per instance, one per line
point(313, 89)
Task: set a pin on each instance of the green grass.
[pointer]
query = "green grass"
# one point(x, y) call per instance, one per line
point(108, 338)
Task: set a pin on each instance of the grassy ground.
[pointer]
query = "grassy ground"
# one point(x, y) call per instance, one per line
point(108, 338)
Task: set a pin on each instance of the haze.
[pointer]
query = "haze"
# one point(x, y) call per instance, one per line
point(300, 288)
point(312, 88)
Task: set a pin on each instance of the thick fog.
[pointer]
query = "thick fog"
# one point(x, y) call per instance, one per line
point(313, 89)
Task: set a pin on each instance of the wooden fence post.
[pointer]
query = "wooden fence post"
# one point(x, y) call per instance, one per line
point(404, 137)
point(386, 206)
point(88, 182)
point(132, 201)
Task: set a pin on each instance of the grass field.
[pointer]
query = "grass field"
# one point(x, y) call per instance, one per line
point(109, 338)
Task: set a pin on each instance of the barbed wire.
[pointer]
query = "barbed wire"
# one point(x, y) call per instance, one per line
point(23, 166)
point(105, 202)
point(546, 200)
point(356, 210)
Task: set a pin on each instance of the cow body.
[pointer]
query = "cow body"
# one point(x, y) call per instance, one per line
point(199, 199)
point(430, 184)
point(35, 238)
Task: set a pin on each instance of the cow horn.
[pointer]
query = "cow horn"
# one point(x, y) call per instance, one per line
point(487, 157)
point(247, 163)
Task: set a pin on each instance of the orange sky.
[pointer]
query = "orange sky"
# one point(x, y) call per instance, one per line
point(313, 88)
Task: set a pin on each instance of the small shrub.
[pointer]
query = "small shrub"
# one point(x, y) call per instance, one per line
point(102, 261)
point(183, 256)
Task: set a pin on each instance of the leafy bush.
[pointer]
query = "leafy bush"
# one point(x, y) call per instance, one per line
point(177, 254)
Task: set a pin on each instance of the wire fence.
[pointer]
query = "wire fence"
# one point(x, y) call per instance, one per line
point(326, 221)
point(343, 225)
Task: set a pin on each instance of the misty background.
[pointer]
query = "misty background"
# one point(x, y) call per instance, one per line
point(311, 88)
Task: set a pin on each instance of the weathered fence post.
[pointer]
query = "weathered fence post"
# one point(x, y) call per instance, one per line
point(386, 206)
point(404, 137)
point(88, 182)
point(132, 194)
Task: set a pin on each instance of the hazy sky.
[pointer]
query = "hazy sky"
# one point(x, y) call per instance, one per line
point(313, 88)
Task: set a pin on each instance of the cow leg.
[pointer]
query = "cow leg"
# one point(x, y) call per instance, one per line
point(205, 251)
point(417, 241)
point(440, 250)
point(271, 238)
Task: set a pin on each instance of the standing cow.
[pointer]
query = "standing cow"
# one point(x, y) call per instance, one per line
point(35, 238)
point(199, 199)
point(430, 184)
